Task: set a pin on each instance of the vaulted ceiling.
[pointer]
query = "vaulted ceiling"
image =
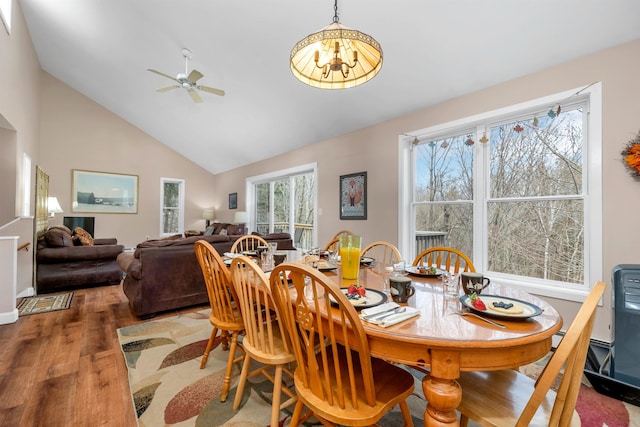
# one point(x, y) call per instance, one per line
point(434, 50)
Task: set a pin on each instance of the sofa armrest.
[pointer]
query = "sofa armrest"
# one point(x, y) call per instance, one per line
point(78, 253)
point(106, 241)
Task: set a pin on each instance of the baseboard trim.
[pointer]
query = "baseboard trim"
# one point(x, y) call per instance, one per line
point(29, 292)
point(9, 317)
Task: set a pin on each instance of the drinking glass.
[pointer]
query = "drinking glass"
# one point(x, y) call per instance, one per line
point(450, 284)
point(350, 247)
point(399, 269)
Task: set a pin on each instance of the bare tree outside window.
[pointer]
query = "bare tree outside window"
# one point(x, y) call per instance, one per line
point(172, 205)
point(287, 205)
point(531, 196)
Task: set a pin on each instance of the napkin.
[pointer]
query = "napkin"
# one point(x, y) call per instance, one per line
point(378, 309)
point(400, 317)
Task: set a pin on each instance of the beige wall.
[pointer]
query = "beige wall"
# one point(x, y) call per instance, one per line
point(19, 118)
point(77, 133)
point(374, 150)
point(19, 101)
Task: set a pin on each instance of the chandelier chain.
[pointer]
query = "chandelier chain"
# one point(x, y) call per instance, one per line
point(335, 12)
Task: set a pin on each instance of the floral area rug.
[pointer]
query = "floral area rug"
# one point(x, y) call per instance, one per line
point(594, 409)
point(169, 388)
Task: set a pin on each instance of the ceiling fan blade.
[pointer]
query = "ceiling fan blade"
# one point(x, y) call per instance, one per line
point(162, 74)
point(168, 88)
point(211, 90)
point(195, 75)
point(194, 95)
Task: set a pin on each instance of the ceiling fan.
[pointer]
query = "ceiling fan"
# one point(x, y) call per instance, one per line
point(188, 80)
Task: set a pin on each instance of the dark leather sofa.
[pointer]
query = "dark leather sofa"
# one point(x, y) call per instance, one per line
point(164, 274)
point(63, 263)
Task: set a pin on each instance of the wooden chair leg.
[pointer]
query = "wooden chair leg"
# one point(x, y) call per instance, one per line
point(406, 414)
point(464, 420)
point(227, 375)
point(295, 418)
point(277, 395)
point(242, 381)
point(205, 356)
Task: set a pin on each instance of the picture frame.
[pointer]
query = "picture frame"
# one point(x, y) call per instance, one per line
point(233, 200)
point(103, 192)
point(353, 196)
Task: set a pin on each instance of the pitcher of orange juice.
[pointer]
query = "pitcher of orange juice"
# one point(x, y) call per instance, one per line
point(350, 256)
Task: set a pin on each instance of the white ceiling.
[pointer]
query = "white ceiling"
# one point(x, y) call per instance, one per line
point(434, 50)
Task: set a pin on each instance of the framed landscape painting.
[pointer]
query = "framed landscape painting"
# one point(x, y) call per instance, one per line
point(233, 200)
point(102, 192)
point(353, 196)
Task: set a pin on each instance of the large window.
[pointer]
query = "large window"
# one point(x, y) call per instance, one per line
point(284, 202)
point(172, 209)
point(518, 190)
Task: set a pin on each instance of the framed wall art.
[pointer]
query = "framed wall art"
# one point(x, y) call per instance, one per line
point(233, 200)
point(103, 192)
point(353, 196)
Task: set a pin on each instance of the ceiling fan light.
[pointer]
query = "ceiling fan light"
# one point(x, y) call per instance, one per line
point(323, 59)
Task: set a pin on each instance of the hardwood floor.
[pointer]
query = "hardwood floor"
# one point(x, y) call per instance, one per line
point(65, 368)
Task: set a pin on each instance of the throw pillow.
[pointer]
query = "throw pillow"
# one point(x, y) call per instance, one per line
point(223, 232)
point(57, 238)
point(217, 227)
point(233, 229)
point(83, 236)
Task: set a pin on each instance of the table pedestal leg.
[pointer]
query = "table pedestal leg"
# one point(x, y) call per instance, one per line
point(443, 397)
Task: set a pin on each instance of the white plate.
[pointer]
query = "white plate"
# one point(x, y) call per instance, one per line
point(372, 298)
point(421, 271)
point(529, 310)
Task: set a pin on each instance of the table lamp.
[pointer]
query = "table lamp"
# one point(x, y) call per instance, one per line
point(208, 215)
point(241, 218)
point(53, 207)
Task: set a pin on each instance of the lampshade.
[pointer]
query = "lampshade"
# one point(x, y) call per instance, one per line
point(336, 57)
point(208, 214)
point(53, 207)
point(240, 217)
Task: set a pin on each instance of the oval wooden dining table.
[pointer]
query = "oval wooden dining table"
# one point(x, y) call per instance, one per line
point(446, 343)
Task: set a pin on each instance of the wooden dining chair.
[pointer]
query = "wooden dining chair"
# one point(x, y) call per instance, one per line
point(444, 257)
point(333, 245)
point(249, 242)
point(342, 233)
point(263, 341)
point(382, 252)
point(336, 378)
point(509, 398)
point(225, 316)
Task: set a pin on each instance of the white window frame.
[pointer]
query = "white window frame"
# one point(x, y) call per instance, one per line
point(252, 181)
point(592, 193)
point(181, 190)
point(5, 14)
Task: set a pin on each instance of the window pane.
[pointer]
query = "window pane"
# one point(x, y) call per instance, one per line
point(444, 225)
point(262, 208)
point(543, 239)
point(444, 169)
point(171, 194)
point(538, 157)
point(281, 205)
point(303, 210)
point(170, 220)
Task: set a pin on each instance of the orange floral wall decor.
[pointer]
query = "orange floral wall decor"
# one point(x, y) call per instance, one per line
point(631, 157)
